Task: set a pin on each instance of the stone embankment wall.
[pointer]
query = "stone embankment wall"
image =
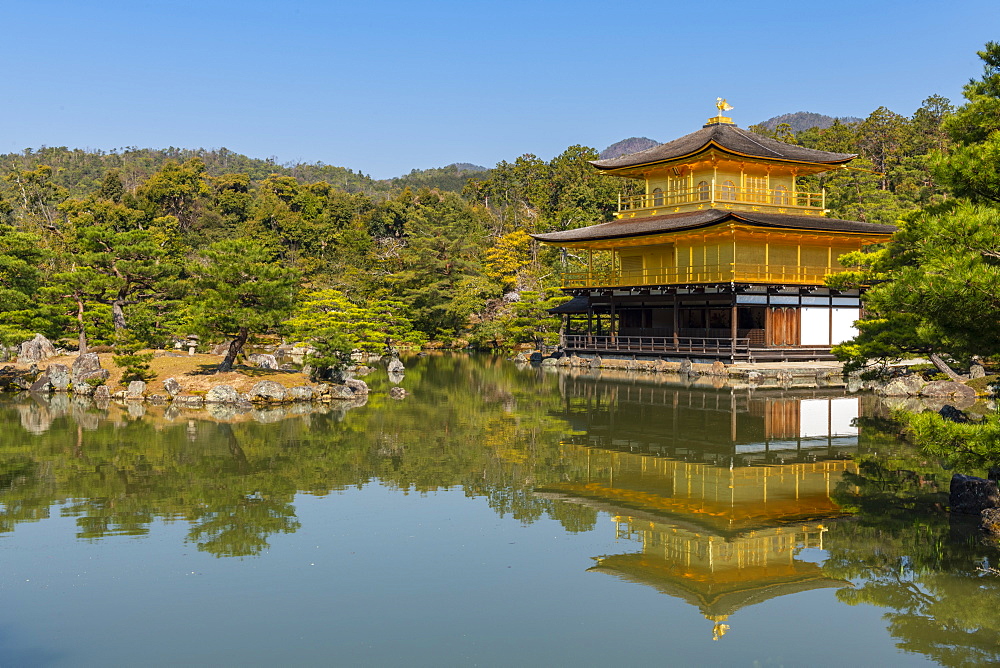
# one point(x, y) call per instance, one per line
point(758, 375)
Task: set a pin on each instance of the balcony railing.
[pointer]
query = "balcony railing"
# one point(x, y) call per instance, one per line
point(724, 273)
point(727, 196)
point(690, 345)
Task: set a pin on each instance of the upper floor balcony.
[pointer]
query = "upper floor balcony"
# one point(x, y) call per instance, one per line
point(739, 272)
point(724, 195)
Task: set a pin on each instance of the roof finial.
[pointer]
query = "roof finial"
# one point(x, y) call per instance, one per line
point(722, 106)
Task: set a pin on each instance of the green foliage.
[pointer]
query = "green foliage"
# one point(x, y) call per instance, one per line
point(440, 278)
point(335, 327)
point(965, 446)
point(134, 365)
point(525, 320)
point(20, 278)
point(936, 287)
point(241, 288)
point(453, 177)
point(902, 553)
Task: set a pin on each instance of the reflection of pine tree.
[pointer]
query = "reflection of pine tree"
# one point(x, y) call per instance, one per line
point(903, 555)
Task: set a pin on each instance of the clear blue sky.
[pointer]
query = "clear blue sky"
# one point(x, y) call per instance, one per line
point(384, 87)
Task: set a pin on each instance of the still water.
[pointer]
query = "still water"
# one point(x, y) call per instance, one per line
point(495, 517)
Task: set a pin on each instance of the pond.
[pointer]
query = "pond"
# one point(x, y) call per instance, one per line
point(496, 516)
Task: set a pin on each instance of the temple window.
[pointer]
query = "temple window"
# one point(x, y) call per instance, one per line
point(728, 190)
point(676, 189)
point(757, 188)
point(780, 196)
point(703, 191)
point(658, 197)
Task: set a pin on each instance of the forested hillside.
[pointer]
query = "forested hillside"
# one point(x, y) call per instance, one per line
point(99, 248)
point(805, 120)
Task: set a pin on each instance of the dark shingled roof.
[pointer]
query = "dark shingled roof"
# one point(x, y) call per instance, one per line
point(675, 222)
point(727, 137)
point(574, 305)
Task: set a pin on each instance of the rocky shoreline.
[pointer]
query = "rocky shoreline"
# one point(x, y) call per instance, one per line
point(38, 373)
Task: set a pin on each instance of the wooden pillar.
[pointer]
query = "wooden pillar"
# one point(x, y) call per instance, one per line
point(677, 342)
point(734, 332)
point(611, 325)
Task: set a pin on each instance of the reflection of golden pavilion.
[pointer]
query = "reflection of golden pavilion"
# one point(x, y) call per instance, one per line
point(710, 425)
point(722, 535)
point(719, 576)
point(720, 498)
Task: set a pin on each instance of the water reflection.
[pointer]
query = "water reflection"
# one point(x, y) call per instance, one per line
point(721, 497)
point(721, 488)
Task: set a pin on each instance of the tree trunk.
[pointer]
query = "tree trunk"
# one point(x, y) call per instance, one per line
point(83, 329)
point(118, 314)
point(235, 348)
point(943, 367)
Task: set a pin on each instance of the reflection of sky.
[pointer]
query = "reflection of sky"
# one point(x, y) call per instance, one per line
point(377, 577)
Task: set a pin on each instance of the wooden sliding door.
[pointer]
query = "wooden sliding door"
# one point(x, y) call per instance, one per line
point(783, 326)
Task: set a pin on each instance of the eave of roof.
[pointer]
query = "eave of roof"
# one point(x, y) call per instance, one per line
point(689, 220)
point(727, 138)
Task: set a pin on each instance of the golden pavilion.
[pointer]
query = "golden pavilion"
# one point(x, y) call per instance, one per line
point(723, 256)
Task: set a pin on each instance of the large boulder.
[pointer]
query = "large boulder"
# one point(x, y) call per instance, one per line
point(947, 388)
point(685, 367)
point(395, 366)
point(360, 387)
point(222, 394)
point(221, 348)
point(338, 391)
point(102, 393)
point(172, 387)
point(191, 401)
point(59, 377)
point(904, 386)
point(91, 379)
point(300, 393)
point(42, 385)
point(550, 361)
point(971, 495)
point(397, 393)
point(989, 521)
point(83, 366)
point(136, 389)
point(268, 390)
point(262, 361)
point(36, 350)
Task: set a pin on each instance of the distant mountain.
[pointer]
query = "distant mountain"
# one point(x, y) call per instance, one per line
point(627, 146)
point(803, 120)
point(452, 177)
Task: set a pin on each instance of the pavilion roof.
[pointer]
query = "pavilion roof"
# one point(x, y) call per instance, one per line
point(689, 220)
point(716, 599)
point(728, 138)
